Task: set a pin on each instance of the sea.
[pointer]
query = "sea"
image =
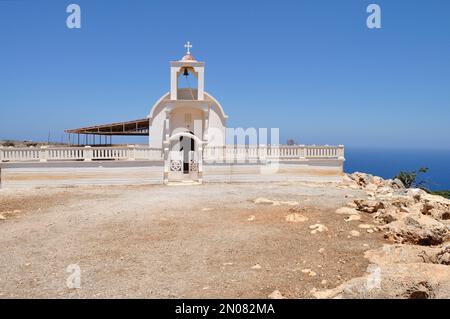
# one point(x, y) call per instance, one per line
point(387, 163)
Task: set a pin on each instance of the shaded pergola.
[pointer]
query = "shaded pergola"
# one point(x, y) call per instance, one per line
point(130, 128)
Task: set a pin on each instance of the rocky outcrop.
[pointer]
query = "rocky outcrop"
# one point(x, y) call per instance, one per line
point(372, 183)
point(398, 271)
point(417, 264)
point(409, 215)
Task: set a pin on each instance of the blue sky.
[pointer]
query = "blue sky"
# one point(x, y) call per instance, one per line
point(311, 67)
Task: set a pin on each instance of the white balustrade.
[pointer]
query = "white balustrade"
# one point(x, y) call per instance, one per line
point(241, 153)
point(19, 154)
point(44, 154)
point(228, 153)
point(68, 153)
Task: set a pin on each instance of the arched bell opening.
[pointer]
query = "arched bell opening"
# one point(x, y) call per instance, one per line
point(187, 79)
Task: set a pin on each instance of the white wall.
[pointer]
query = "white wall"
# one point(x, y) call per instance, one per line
point(216, 121)
point(216, 131)
point(178, 124)
point(156, 134)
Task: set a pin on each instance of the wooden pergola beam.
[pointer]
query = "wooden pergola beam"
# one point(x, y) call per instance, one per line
point(139, 127)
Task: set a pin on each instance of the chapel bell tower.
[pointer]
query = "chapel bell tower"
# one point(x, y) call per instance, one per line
point(186, 67)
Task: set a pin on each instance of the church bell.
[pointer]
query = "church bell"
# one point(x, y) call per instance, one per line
point(186, 73)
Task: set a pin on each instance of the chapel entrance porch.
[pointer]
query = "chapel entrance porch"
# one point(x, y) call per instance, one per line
point(183, 158)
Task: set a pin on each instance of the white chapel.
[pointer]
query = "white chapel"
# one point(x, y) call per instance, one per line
point(186, 130)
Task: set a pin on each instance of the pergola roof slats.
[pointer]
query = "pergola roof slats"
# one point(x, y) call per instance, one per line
point(137, 128)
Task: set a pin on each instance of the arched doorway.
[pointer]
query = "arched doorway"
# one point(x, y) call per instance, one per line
point(187, 148)
point(183, 158)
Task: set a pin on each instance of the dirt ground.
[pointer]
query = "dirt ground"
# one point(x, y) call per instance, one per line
point(178, 241)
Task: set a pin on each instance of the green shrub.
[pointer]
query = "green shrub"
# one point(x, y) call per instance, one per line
point(409, 179)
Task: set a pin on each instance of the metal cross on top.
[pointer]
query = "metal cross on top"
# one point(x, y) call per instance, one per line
point(188, 46)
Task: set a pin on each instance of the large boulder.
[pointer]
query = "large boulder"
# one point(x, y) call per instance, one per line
point(361, 179)
point(442, 256)
point(395, 281)
point(396, 184)
point(368, 206)
point(436, 206)
point(418, 229)
point(389, 214)
point(416, 193)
